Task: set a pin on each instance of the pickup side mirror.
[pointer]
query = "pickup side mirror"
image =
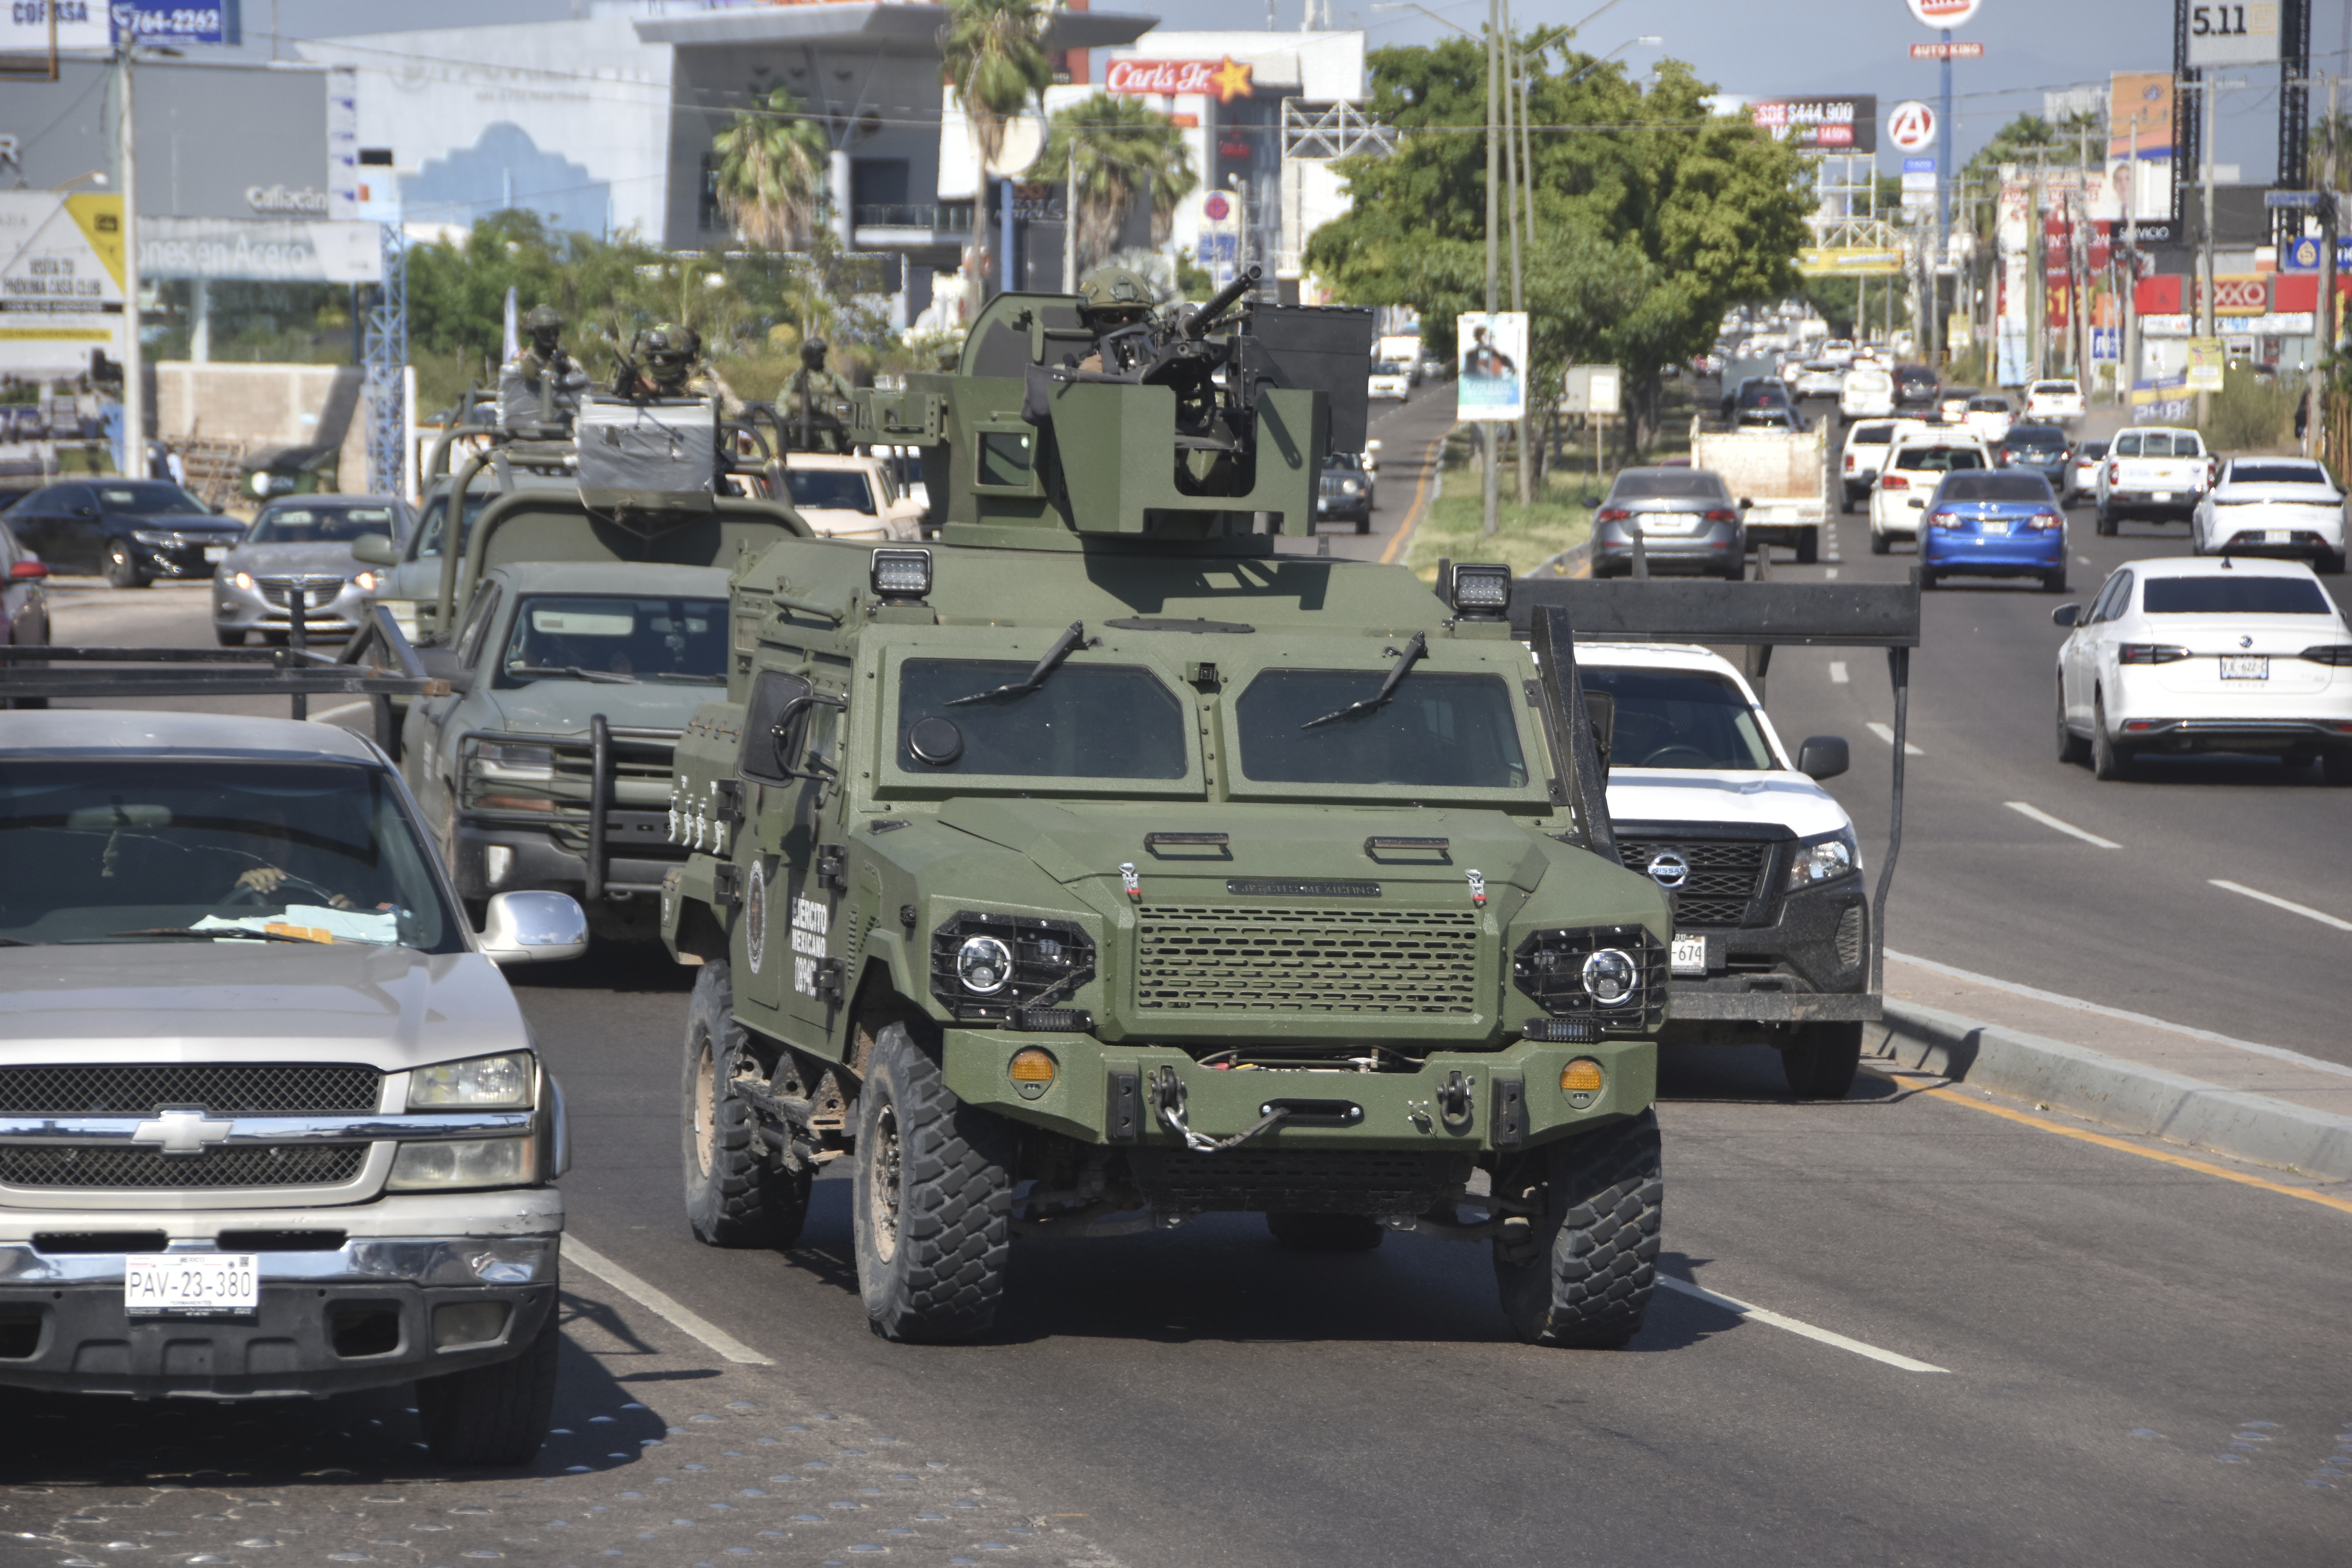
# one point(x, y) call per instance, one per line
point(2066, 615)
point(461, 681)
point(377, 550)
point(1823, 757)
point(533, 927)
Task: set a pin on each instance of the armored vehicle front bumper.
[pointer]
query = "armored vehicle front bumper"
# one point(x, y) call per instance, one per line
point(1460, 1102)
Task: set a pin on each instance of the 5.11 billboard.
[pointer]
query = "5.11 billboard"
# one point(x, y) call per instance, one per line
point(1847, 123)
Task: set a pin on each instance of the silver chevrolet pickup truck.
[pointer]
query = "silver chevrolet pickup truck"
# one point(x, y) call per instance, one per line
point(271, 1123)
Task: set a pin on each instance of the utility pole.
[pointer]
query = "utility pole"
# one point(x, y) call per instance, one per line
point(2331, 223)
point(1513, 118)
point(1492, 480)
point(135, 372)
point(1943, 205)
point(2205, 240)
point(1070, 222)
point(2128, 365)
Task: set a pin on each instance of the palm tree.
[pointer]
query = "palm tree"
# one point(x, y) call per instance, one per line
point(1117, 146)
point(771, 171)
point(994, 53)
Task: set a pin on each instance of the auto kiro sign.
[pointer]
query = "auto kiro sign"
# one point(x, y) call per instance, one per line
point(1911, 126)
point(1226, 79)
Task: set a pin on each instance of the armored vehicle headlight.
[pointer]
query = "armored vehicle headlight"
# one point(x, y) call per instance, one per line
point(1824, 859)
point(1611, 977)
point(902, 574)
point(983, 965)
point(502, 1082)
point(1481, 589)
point(463, 1163)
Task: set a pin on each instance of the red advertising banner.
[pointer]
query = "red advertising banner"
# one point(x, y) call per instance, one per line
point(1226, 79)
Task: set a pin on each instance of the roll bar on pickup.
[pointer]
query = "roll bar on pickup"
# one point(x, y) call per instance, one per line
point(1761, 616)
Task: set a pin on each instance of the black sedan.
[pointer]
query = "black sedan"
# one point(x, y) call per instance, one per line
point(133, 530)
point(2039, 448)
point(24, 608)
point(1346, 493)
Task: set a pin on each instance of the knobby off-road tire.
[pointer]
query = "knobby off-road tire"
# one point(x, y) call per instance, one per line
point(1326, 1232)
point(1822, 1061)
point(1595, 1260)
point(735, 1196)
point(495, 1415)
point(933, 1198)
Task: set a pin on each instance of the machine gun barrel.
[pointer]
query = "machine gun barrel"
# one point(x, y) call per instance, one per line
point(1223, 300)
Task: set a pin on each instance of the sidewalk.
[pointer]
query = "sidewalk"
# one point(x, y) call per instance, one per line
point(2191, 1086)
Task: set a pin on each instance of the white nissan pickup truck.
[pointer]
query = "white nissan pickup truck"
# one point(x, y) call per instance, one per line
point(271, 1123)
point(2155, 473)
point(1761, 861)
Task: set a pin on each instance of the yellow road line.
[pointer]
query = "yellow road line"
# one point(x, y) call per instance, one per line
point(1430, 458)
point(2103, 1142)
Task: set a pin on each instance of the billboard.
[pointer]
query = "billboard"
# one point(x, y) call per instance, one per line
point(60, 280)
point(1850, 261)
point(2233, 34)
point(2139, 114)
point(1846, 123)
point(1493, 346)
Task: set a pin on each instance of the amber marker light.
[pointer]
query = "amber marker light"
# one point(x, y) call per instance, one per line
point(1032, 1071)
point(1581, 1080)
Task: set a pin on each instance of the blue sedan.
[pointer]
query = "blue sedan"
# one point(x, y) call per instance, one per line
point(1993, 522)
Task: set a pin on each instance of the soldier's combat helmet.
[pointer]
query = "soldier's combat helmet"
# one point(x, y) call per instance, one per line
point(813, 352)
point(543, 317)
point(1114, 297)
point(669, 351)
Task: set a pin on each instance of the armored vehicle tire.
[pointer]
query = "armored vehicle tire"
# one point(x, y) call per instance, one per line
point(1583, 1276)
point(495, 1415)
point(1821, 1062)
point(934, 1195)
point(1326, 1232)
point(735, 1196)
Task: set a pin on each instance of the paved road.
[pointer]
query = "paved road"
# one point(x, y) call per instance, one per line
point(1982, 886)
point(2137, 1361)
point(1408, 432)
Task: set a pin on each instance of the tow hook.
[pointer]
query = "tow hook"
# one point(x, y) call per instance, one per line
point(1168, 1099)
point(1453, 1107)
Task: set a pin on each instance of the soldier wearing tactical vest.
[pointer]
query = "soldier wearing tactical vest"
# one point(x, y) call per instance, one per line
point(550, 372)
point(810, 401)
point(1111, 299)
point(665, 361)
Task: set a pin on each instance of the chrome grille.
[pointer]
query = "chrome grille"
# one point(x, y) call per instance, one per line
point(1198, 959)
point(284, 1165)
point(224, 1088)
point(1724, 874)
point(318, 592)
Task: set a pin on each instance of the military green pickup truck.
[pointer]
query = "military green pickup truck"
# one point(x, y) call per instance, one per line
point(1103, 866)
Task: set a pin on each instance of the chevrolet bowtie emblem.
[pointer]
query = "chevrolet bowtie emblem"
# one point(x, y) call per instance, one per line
point(181, 1131)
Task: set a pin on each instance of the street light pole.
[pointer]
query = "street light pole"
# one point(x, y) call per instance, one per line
point(1492, 481)
point(134, 373)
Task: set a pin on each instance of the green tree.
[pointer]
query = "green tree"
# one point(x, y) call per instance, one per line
point(994, 54)
point(771, 171)
point(1122, 147)
point(1653, 217)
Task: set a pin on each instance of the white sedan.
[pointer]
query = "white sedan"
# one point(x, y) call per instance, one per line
point(2181, 655)
point(1389, 378)
point(2271, 506)
point(1917, 465)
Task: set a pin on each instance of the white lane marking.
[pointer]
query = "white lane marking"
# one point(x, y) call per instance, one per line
point(323, 714)
point(1886, 733)
point(2305, 911)
point(661, 1305)
point(1832, 573)
point(2083, 559)
point(1838, 676)
point(2148, 1021)
point(1797, 1326)
point(2043, 817)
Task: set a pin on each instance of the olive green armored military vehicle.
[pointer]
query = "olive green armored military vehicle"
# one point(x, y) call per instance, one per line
point(1105, 866)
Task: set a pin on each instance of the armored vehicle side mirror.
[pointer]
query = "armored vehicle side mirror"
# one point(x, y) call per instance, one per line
point(1823, 757)
point(377, 550)
point(2066, 615)
point(532, 927)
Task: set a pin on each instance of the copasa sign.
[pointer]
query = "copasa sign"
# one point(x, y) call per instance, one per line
point(1225, 80)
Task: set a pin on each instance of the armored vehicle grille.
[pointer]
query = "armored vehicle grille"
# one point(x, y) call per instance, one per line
point(264, 1165)
point(1723, 875)
point(224, 1088)
point(1308, 960)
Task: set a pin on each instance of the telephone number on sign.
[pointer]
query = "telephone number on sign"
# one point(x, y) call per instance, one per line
point(228, 1282)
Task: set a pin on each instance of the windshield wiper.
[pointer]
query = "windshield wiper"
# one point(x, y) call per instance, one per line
point(1075, 637)
point(683, 675)
point(213, 933)
point(610, 678)
point(1405, 660)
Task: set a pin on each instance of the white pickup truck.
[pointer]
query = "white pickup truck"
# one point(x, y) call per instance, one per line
point(1780, 479)
point(2157, 474)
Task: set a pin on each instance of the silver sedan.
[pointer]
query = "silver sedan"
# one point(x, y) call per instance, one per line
point(302, 542)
